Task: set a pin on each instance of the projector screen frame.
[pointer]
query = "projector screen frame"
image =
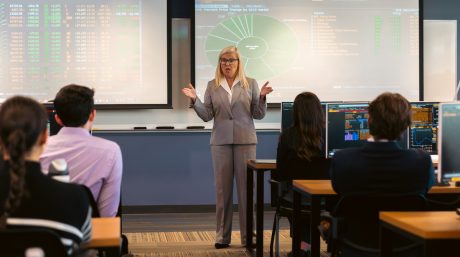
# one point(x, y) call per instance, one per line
point(277, 105)
point(168, 104)
point(164, 58)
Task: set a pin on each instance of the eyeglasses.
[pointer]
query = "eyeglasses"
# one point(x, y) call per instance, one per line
point(229, 60)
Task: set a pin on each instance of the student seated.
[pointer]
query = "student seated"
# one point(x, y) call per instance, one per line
point(381, 166)
point(28, 198)
point(300, 152)
point(94, 162)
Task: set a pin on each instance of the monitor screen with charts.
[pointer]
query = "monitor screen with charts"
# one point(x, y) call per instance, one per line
point(449, 141)
point(424, 127)
point(120, 48)
point(343, 50)
point(347, 126)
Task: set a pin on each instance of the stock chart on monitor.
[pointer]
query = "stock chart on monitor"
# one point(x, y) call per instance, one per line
point(424, 127)
point(348, 126)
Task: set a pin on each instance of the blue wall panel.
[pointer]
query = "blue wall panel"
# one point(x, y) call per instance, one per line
point(174, 168)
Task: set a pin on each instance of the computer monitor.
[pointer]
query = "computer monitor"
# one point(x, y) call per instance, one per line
point(53, 126)
point(347, 126)
point(423, 130)
point(449, 141)
point(287, 114)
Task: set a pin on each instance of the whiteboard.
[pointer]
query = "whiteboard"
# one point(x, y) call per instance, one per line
point(440, 59)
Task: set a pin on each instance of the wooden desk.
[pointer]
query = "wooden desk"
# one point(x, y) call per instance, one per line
point(259, 167)
point(106, 235)
point(317, 190)
point(439, 231)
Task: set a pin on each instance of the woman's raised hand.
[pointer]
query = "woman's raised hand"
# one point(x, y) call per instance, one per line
point(189, 91)
point(266, 89)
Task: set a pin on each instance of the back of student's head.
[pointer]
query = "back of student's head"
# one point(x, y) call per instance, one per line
point(309, 124)
point(73, 105)
point(22, 122)
point(389, 116)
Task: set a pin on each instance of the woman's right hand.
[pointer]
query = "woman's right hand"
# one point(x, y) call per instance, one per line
point(190, 92)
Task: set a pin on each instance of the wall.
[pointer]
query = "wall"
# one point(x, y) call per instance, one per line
point(169, 168)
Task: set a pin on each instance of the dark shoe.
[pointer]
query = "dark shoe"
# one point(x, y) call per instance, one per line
point(220, 246)
point(302, 254)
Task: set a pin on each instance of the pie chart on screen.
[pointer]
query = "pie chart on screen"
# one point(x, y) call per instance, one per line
point(267, 45)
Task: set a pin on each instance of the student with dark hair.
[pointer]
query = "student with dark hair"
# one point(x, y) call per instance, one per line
point(28, 198)
point(303, 142)
point(300, 152)
point(381, 166)
point(74, 105)
point(94, 162)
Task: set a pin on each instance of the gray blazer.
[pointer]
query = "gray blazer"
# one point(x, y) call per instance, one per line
point(233, 122)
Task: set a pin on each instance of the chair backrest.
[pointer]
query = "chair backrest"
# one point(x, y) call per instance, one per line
point(360, 216)
point(317, 168)
point(15, 242)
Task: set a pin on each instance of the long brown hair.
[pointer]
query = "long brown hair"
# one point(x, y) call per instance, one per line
point(309, 124)
point(22, 121)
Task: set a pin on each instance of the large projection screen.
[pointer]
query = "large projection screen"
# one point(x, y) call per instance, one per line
point(342, 50)
point(117, 47)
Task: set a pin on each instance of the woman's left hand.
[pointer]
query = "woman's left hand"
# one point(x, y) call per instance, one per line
point(266, 89)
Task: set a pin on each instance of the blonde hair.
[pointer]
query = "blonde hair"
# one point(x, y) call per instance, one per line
point(239, 72)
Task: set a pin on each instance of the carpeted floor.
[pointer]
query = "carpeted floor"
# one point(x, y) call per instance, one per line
point(197, 244)
point(192, 235)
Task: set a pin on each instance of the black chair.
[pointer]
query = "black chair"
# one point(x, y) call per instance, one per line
point(284, 208)
point(15, 242)
point(281, 192)
point(355, 224)
point(124, 239)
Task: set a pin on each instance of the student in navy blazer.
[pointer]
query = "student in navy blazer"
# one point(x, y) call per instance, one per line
point(233, 101)
point(381, 166)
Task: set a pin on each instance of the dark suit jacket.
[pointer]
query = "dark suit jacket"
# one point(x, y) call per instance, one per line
point(381, 167)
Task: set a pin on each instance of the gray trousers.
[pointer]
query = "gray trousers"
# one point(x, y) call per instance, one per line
point(229, 161)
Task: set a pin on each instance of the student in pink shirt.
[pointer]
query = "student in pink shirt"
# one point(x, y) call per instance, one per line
point(92, 161)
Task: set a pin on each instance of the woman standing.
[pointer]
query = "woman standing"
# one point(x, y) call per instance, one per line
point(233, 100)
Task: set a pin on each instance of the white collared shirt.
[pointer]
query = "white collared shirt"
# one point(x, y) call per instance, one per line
point(225, 86)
